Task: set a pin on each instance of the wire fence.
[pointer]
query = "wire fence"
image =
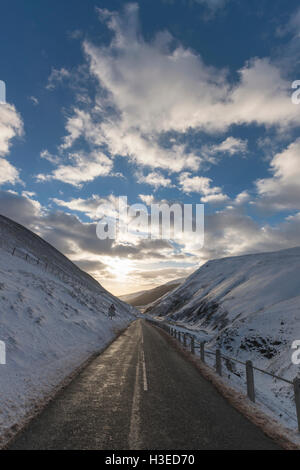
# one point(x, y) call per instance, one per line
point(46, 265)
point(188, 341)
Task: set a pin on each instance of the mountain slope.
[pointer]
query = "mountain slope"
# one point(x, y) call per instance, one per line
point(23, 243)
point(248, 306)
point(53, 317)
point(146, 297)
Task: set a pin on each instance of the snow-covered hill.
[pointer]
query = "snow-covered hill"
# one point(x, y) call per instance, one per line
point(250, 307)
point(53, 316)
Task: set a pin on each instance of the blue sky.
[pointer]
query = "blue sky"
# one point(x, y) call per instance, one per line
point(184, 101)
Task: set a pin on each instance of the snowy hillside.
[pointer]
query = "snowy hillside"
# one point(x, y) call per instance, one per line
point(250, 307)
point(53, 317)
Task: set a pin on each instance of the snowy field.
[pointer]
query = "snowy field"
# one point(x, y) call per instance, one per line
point(50, 327)
point(249, 307)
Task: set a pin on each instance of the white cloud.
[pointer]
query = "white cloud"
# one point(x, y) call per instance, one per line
point(8, 173)
point(88, 206)
point(155, 179)
point(146, 89)
point(153, 87)
point(202, 185)
point(242, 198)
point(159, 88)
point(81, 124)
point(54, 159)
point(84, 169)
point(214, 198)
point(148, 199)
point(57, 76)
point(11, 125)
point(34, 100)
point(230, 146)
point(282, 190)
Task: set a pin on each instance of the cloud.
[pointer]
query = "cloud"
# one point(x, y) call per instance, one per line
point(20, 208)
point(148, 199)
point(49, 157)
point(84, 169)
point(81, 124)
point(202, 185)
point(8, 173)
point(231, 232)
point(212, 153)
point(155, 179)
point(282, 190)
point(127, 141)
point(57, 76)
point(228, 232)
point(230, 146)
point(11, 125)
point(217, 198)
point(34, 100)
point(87, 206)
point(159, 87)
point(242, 198)
point(149, 88)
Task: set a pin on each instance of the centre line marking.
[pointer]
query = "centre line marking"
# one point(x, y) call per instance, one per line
point(144, 372)
point(134, 439)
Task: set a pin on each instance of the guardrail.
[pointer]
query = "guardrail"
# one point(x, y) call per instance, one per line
point(188, 341)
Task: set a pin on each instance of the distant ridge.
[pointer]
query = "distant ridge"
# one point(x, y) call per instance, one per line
point(146, 297)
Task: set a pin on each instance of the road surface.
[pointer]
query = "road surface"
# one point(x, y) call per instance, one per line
point(141, 393)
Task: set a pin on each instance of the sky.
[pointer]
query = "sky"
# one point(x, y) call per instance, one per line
point(186, 101)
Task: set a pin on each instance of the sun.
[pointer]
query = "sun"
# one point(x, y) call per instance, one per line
point(119, 268)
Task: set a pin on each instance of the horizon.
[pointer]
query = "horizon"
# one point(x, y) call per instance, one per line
point(141, 101)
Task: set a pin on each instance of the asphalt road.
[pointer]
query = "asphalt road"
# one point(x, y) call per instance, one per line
point(141, 394)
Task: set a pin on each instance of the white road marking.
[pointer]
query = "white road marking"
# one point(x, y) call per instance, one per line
point(134, 432)
point(134, 438)
point(144, 363)
point(144, 372)
point(142, 340)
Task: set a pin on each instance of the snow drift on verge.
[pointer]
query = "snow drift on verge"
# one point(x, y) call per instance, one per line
point(50, 326)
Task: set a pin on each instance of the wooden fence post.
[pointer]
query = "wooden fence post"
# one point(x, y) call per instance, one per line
point(218, 362)
point(192, 345)
point(202, 351)
point(184, 340)
point(250, 381)
point(179, 336)
point(297, 399)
